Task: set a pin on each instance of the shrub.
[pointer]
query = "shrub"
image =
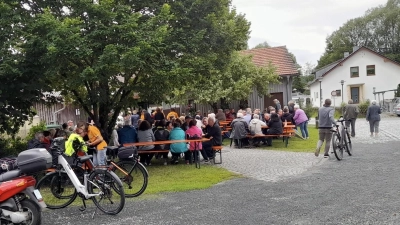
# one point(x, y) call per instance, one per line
point(363, 106)
point(12, 146)
point(34, 129)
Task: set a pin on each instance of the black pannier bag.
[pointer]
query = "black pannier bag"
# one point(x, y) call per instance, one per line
point(127, 153)
point(34, 160)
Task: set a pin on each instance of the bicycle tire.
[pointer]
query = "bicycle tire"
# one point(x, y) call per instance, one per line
point(107, 183)
point(347, 141)
point(135, 183)
point(53, 186)
point(336, 147)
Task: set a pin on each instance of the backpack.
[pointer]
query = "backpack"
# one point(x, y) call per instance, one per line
point(127, 153)
point(161, 135)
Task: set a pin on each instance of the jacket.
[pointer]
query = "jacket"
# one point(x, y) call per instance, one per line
point(255, 125)
point(275, 127)
point(350, 111)
point(325, 117)
point(177, 134)
point(145, 136)
point(288, 117)
point(69, 144)
point(194, 132)
point(299, 116)
point(34, 143)
point(373, 113)
point(215, 132)
point(239, 128)
point(161, 134)
point(127, 134)
point(135, 119)
point(159, 116)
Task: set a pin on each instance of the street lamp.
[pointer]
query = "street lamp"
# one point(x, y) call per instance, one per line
point(320, 91)
point(342, 82)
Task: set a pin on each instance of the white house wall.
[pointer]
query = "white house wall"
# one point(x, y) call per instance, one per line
point(387, 77)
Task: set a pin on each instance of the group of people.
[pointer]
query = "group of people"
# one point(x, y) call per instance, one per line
point(274, 117)
point(350, 112)
point(158, 127)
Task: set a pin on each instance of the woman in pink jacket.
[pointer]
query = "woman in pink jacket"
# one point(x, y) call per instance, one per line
point(195, 133)
point(301, 120)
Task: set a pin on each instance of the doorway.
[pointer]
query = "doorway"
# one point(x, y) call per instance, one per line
point(355, 94)
point(269, 101)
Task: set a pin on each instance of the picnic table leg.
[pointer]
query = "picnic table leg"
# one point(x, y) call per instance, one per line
point(287, 141)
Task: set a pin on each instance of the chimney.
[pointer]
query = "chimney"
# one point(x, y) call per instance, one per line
point(355, 48)
point(346, 54)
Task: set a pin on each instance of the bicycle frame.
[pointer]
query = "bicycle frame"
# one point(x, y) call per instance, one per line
point(80, 188)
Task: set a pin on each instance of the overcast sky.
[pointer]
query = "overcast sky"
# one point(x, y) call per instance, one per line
point(301, 25)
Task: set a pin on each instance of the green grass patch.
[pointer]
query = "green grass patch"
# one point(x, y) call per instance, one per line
point(182, 177)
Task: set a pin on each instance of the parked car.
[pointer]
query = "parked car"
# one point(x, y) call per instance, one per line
point(396, 109)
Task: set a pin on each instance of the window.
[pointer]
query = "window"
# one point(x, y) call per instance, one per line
point(338, 93)
point(371, 70)
point(354, 71)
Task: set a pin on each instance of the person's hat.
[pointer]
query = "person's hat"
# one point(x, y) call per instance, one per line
point(188, 117)
point(197, 117)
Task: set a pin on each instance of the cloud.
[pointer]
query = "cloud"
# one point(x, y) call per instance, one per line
point(300, 25)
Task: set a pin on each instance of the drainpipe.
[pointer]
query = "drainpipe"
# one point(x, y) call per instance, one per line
point(55, 113)
point(287, 90)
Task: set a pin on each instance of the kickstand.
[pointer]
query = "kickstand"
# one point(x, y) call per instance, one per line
point(83, 208)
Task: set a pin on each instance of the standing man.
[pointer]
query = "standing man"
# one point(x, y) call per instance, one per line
point(350, 113)
point(326, 120)
point(277, 105)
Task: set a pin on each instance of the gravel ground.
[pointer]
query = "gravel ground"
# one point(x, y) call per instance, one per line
point(286, 188)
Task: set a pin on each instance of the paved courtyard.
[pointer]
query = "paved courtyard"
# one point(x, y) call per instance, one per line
point(278, 165)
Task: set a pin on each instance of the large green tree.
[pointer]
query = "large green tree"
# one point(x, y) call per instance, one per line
point(378, 29)
point(262, 45)
point(100, 54)
point(236, 82)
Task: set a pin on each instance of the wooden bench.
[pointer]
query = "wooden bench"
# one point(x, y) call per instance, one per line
point(287, 132)
point(217, 150)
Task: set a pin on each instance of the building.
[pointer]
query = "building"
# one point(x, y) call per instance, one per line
point(286, 69)
point(359, 76)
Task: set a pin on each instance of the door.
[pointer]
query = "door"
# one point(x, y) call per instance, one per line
point(269, 101)
point(355, 94)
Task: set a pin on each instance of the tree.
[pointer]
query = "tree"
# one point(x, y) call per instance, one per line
point(262, 45)
point(235, 83)
point(100, 54)
point(20, 84)
point(398, 91)
point(378, 29)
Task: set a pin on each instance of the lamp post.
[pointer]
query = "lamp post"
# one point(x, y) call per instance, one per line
point(374, 92)
point(342, 82)
point(320, 91)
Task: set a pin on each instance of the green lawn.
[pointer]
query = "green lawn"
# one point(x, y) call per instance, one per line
point(295, 144)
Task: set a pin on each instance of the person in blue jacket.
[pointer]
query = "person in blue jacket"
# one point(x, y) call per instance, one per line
point(177, 148)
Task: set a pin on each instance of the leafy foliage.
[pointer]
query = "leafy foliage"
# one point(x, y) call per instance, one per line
point(34, 129)
point(100, 54)
point(262, 45)
point(378, 29)
point(234, 83)
point(398, 91)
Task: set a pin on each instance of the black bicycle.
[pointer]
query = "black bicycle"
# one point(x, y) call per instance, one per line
point(341, 140)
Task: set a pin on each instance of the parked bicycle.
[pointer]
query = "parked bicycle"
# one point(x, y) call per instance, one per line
point(341, 140)
point(61, 187)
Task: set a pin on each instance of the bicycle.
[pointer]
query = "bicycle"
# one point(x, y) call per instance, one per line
point(341, 140)
point(65, 185)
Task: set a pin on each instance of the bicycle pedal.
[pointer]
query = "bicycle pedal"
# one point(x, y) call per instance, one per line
point(82, 208)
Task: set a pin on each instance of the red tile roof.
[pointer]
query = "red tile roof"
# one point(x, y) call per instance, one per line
point(278, 56)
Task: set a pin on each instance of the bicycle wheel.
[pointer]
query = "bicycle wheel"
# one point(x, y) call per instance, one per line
point(135, 183)
point(111, 198)
point(57, 190)
point(337, 149)
point(349, 146)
